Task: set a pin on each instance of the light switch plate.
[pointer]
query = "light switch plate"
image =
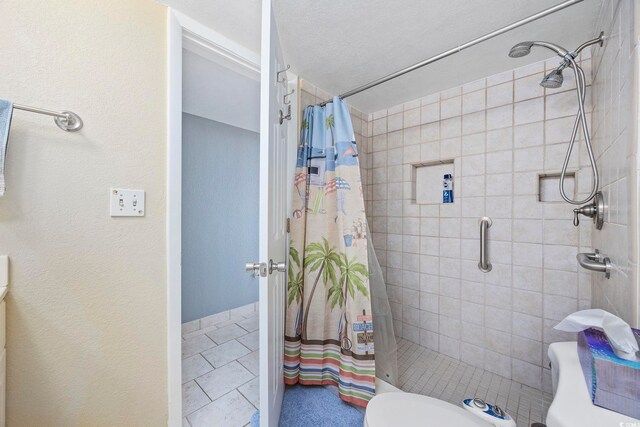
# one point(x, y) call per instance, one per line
point(127, 202)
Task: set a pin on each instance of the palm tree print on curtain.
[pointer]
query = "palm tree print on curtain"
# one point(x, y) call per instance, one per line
point(329, 328)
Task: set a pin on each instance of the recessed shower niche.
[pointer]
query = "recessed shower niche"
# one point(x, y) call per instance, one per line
point(548, 187)
point(428, 181)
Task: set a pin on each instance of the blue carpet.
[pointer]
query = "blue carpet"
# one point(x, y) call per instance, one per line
point(315, 406)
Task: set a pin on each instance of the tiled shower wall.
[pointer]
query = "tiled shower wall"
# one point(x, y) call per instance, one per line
point(615, 142)
point(501, 132)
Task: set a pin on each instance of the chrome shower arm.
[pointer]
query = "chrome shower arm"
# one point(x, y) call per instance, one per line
point(598, 40)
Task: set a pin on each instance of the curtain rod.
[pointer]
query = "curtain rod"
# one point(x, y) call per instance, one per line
point(457, 49)
point(66, 120)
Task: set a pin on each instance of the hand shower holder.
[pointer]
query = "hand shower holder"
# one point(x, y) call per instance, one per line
point(593, 210)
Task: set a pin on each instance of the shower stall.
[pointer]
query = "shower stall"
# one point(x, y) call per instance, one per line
point(462, 331)
point(522, 146)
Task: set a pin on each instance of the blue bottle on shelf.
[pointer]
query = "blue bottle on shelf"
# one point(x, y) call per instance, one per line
point(447, 188)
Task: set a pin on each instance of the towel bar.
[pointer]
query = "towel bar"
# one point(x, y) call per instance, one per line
point(65, 120)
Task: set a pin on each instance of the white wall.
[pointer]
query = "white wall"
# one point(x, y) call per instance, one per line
point(86, 310)
point(217, 92)
point(615, 139)
point(501, 132)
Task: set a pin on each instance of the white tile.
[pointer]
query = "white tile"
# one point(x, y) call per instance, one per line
point(473, 165)
point(528, 135)
point(501, 94)
point(251, 362)
point(473, 144)
point(499, 78)
point(193, 367)
point(195, 345)
point(214, 319)
point(230, 410)
point(528, 159)
point(394, 122)
point(223, 380)
point(528, 87)
point(187, 327)
point(450, 107)
point(449, 93)
point(536, 67)
point(527, 230)
point(450, 128)
point(473, 122)
point(225, 353)
point(527, 254)
point(251, 391)
point(193, 398)
point(430, 113)
point(527, 278)
point(226, 333)
point(245, 310)
point(500, 139)
point(557, 307)
point(529, 111)
point(473, 101)
point(412, 117)
point(430, 132)
point(561, 104)
point(251, 340)
point(500, 117)
point(474, 86)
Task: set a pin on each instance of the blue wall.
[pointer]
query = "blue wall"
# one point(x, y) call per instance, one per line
point(220, 178)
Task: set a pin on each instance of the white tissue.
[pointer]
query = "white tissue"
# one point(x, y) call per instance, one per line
point(618, 332)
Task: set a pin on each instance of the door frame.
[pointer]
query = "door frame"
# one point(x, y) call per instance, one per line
point(180, 28)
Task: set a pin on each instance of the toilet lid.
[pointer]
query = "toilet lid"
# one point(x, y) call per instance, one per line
point(407, 409)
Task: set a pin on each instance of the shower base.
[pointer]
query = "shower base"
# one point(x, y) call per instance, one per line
point(424, 371)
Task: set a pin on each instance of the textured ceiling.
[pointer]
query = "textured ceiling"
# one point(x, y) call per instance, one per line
point(339, 45)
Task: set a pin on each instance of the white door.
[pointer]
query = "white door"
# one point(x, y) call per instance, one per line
point(273, 233)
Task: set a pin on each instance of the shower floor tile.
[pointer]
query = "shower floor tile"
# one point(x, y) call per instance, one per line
point(220, 374)
point(424, 371)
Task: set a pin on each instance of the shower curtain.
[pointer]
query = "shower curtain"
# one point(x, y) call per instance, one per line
point(329, 335)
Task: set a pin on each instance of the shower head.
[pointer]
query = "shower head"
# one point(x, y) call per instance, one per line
point(553, 80)
point(521, 49)
point(524, 48)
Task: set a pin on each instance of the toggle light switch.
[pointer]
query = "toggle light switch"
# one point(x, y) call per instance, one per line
point(127, 202)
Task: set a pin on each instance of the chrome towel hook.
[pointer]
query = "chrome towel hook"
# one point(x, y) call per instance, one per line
point(284, 98)
point(280, 72)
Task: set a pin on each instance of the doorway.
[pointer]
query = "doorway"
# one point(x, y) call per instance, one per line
point(220, 180)
point(213, 179)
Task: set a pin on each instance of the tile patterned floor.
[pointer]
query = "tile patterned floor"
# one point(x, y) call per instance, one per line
point(424, 371)
point(220, 373)
point(220, 377)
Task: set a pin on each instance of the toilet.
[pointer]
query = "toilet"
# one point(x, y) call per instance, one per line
point(571, 405)
point(408, 409)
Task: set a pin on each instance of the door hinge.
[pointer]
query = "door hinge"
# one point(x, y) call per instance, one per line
point(288, 225)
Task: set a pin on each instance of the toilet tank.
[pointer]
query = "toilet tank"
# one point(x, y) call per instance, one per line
point(571, 405)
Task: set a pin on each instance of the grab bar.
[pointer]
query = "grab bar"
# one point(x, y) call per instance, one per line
point(595, 262)
point(484, 265)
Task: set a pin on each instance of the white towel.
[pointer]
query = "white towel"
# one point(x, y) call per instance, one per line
point(6, 110)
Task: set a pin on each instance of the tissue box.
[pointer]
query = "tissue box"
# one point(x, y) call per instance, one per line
point(613, 382)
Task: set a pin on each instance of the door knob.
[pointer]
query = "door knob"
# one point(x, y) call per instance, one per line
point(257, 268)
point(277, 266)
